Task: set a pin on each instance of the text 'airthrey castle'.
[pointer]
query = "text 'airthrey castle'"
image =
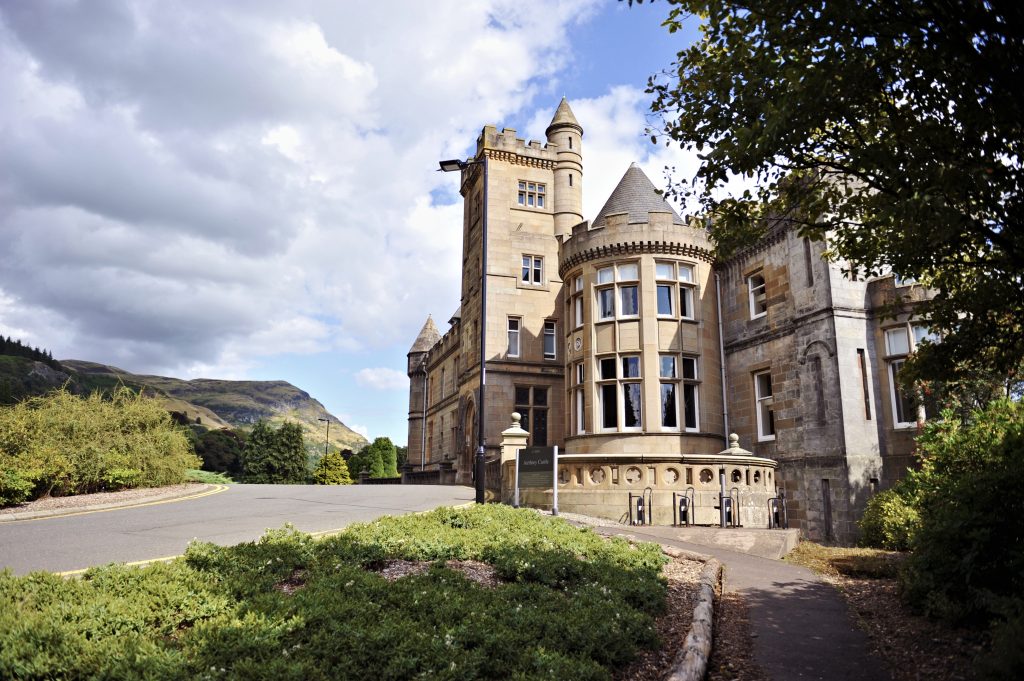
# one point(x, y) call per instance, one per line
point(609, 338)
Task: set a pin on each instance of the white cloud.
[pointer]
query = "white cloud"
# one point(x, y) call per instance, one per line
point(184, 188)
point(382, 378)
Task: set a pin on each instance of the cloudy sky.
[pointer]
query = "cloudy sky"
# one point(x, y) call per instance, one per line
point(248, 189)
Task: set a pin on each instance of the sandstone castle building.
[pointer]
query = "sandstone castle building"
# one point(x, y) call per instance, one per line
point(626, 343)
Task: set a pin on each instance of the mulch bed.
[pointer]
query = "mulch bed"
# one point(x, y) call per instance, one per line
point(683, 580)
point(913, 647)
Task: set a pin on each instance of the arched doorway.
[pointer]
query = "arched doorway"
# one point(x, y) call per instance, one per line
point(467, 434)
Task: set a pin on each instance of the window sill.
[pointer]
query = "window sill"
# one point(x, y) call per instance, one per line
point(766, 438)
point(532, 287)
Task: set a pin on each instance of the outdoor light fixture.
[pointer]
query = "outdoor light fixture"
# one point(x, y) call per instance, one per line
point(453, 164)
point(450, 166)
point(327, 438)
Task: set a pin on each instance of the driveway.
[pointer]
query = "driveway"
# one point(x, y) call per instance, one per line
point(240, 513)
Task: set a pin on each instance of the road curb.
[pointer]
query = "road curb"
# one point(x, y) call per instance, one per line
point(180, 495)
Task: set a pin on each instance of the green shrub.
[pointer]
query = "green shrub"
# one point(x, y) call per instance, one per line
point(62, 444)
point(967, 560)
point(574, 606)
point(890, 520)
point(207, 477)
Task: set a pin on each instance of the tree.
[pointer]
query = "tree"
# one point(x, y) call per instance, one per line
point(221, 451)
point(332, 470)
point(379, 458)
point(384, 449)
point(274, 457)
point(893, 129)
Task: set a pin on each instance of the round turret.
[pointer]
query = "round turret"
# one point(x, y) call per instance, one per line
point(565, 132)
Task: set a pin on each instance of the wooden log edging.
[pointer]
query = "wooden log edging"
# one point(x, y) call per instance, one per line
point(691, 663)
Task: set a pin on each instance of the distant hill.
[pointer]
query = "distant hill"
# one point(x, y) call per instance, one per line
point(207, 402)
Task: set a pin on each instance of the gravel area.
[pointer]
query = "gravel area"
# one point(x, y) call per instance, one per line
point(474, 570)
point(86, 501)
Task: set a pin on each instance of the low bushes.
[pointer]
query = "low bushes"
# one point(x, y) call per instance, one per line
point(572, 606)
point(63, 444)
point(890, 519)
point(962, 517)
point(967, 559)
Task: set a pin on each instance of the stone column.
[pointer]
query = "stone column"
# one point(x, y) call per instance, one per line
point(513, 438)
point(446, 476)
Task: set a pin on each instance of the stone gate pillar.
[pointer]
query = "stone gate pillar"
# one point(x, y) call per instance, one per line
point(513, 438)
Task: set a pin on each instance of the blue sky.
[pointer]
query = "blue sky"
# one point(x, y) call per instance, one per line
point(248, 190)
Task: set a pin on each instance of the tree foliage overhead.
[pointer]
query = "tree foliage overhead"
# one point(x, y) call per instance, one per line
point(891, 127)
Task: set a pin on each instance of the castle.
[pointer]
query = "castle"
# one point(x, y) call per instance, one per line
point(626, 343)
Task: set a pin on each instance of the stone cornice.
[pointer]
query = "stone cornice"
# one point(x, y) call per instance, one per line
point(625, 248)
point(519, 159)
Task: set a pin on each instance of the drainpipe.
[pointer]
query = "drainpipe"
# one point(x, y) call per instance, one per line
point(423, 423)
point(721, 356)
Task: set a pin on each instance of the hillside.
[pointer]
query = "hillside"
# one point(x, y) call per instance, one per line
point(209, 402)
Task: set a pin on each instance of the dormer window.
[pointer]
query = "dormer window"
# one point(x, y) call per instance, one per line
point(531, 194)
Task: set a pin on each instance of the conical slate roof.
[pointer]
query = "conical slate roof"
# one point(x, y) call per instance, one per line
point(563, 117)
point(636, 195)
point(427, 339)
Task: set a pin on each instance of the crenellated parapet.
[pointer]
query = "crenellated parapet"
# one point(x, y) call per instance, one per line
point(506, 146)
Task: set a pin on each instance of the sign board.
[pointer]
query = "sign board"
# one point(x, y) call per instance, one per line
point(536, 467)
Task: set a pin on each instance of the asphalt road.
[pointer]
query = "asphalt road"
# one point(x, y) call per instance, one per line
point(240, 513)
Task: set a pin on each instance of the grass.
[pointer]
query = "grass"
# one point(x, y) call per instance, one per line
point(851, 562)
point(568, 605)
point(208, 477)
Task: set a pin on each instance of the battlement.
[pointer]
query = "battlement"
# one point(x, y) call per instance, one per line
point(659, 234)
point(507, 141)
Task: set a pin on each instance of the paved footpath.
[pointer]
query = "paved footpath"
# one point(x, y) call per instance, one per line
point(802, 626)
